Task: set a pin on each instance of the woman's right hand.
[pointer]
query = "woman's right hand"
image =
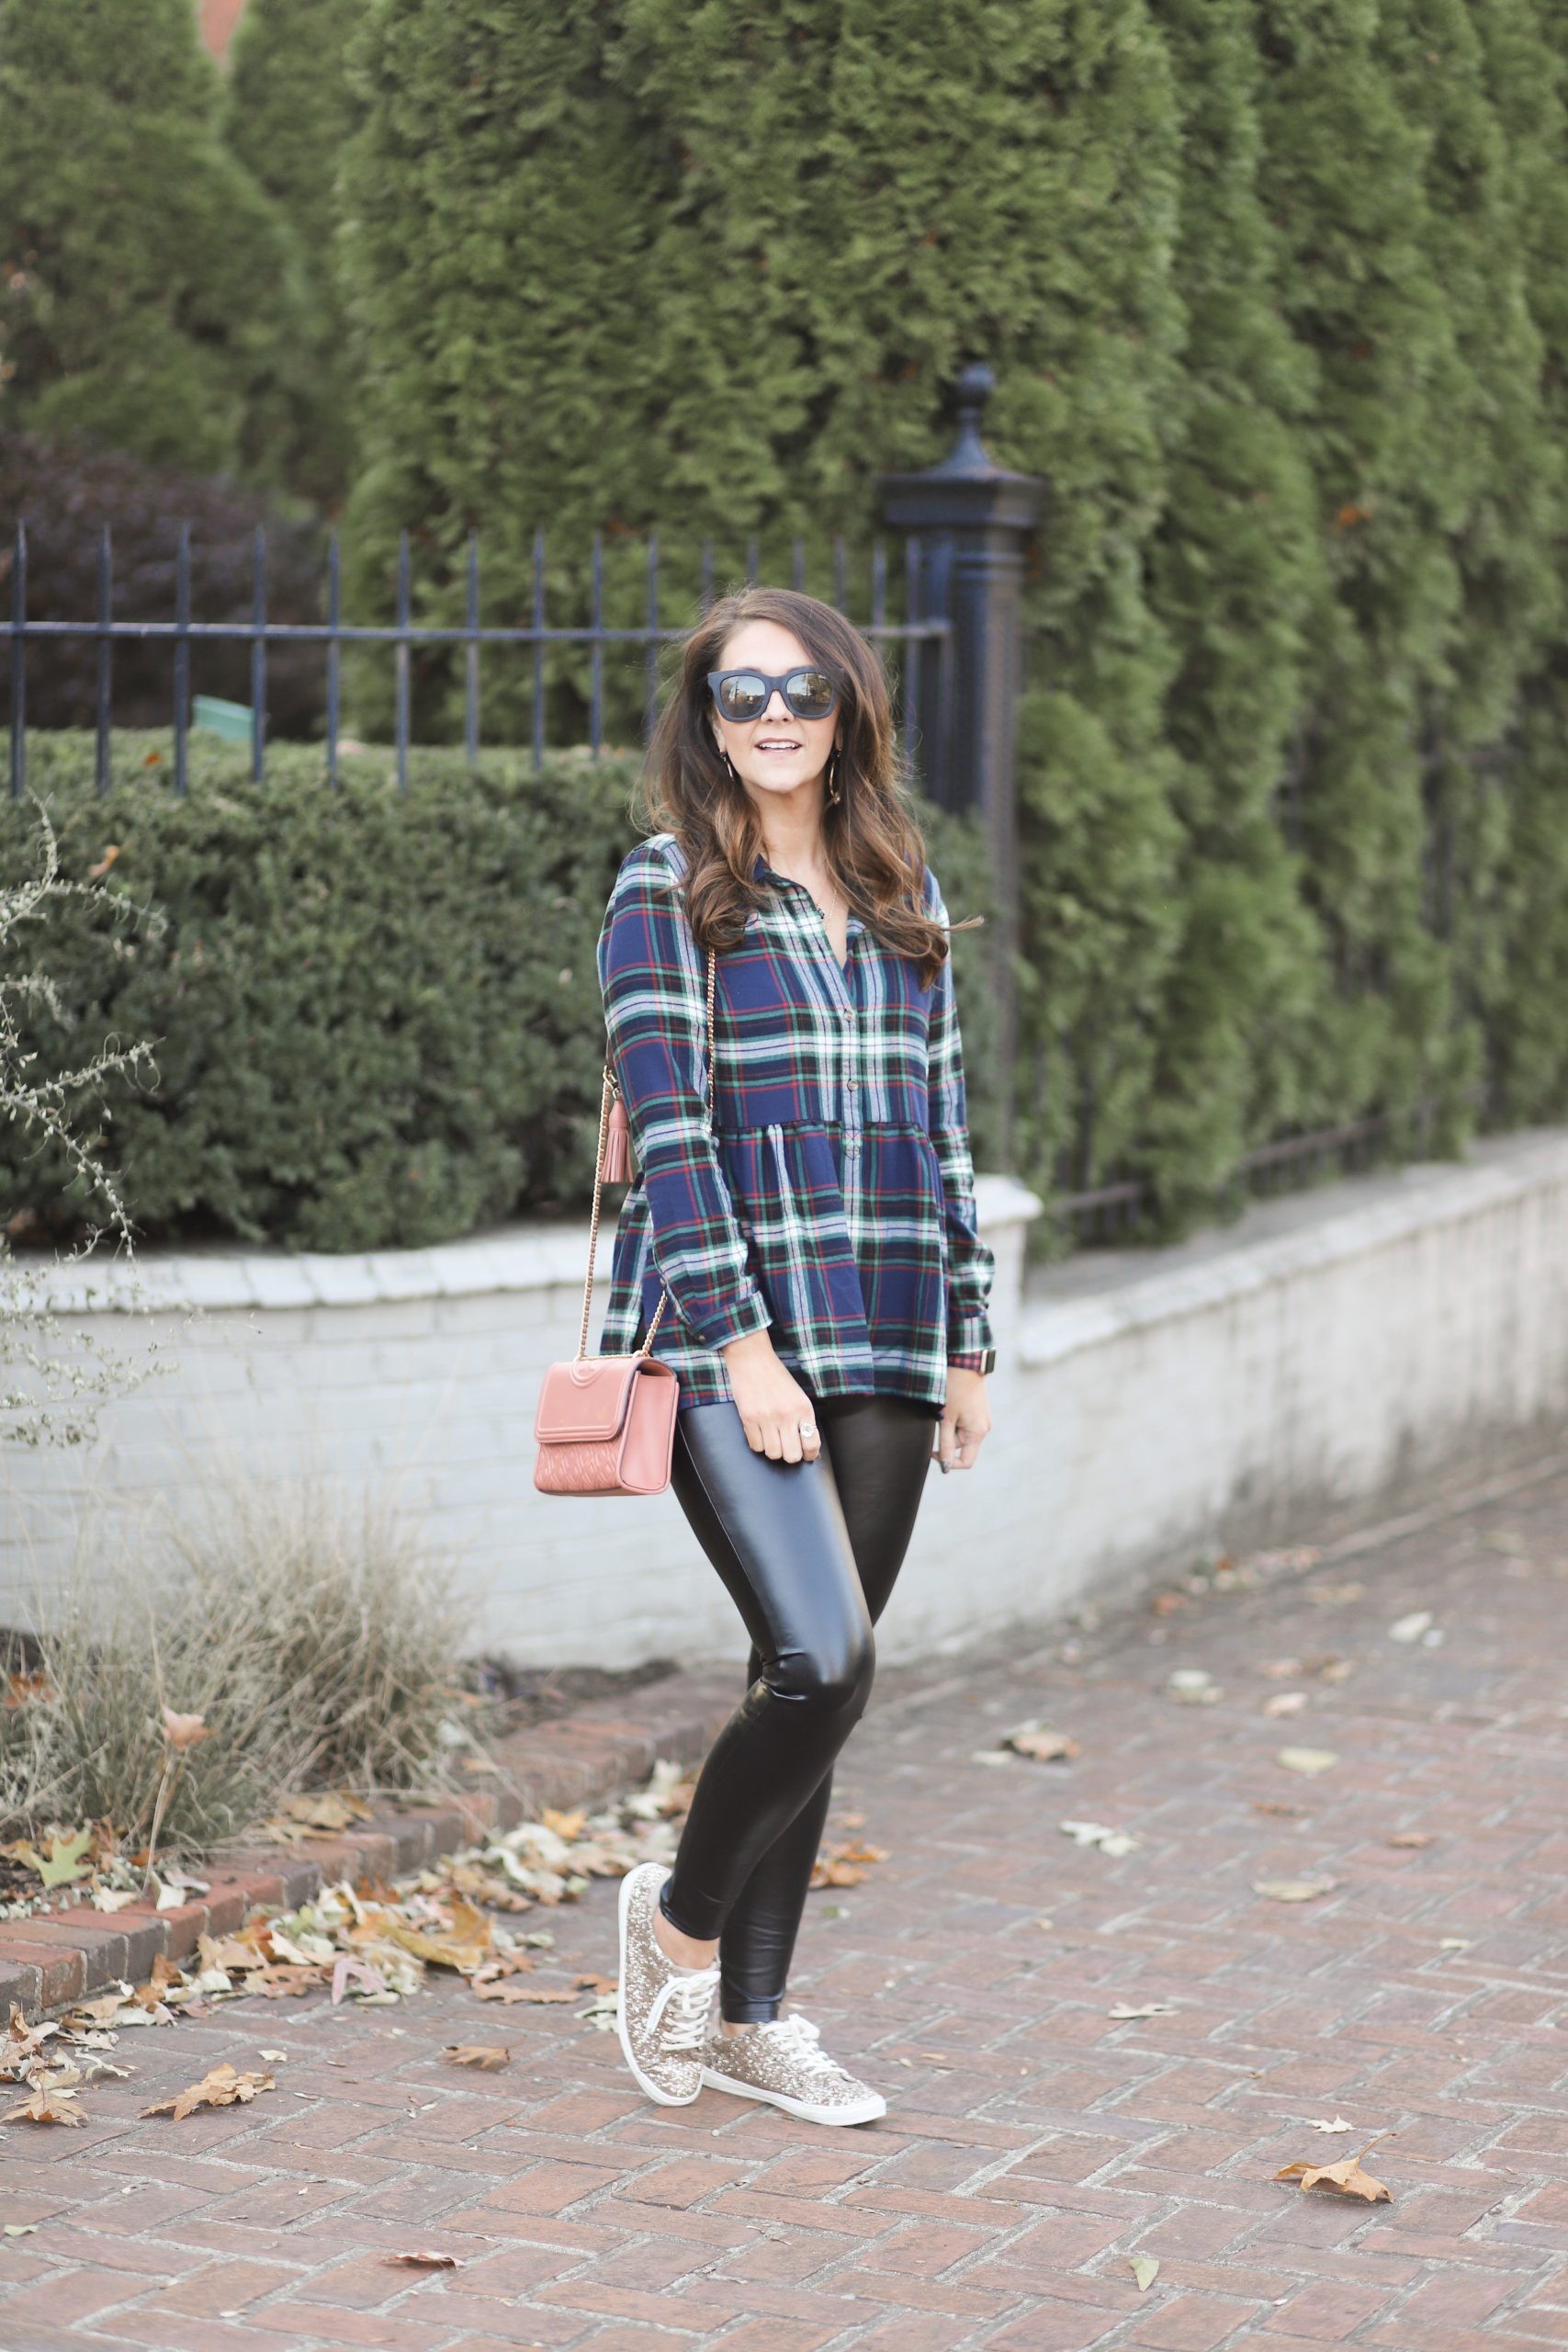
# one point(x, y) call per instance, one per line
point(769, 1400)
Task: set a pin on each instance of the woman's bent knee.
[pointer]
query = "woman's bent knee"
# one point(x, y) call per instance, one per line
point(827, 1680)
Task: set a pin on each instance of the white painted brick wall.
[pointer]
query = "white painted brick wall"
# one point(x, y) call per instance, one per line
point(1215, 1394)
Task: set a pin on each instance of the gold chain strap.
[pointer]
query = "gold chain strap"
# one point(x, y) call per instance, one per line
point(606, 1099)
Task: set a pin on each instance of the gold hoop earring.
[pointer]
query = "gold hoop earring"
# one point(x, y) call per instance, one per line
point(835, 793)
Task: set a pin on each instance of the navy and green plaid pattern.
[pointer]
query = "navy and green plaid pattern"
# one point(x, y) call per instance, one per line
point(833, 1200)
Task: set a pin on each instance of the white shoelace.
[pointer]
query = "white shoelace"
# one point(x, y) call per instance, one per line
point(689, 1997)
point(801, 2038)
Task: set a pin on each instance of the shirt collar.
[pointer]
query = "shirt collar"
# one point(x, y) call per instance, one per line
point(762, 872)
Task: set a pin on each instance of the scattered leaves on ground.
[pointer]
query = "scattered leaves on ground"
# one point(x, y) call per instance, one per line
point(485, 2057)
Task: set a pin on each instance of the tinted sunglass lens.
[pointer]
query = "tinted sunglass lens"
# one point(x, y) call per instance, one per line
point(810, 694)
point(743, 696)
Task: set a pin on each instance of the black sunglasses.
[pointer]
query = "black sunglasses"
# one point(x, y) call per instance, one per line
point(745, 694)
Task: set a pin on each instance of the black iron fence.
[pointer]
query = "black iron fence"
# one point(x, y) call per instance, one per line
point(919, 646)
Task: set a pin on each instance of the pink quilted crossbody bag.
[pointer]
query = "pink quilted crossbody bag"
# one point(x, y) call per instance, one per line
point(605, 1425)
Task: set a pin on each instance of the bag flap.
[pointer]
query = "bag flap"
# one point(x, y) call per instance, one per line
point(585, 1401)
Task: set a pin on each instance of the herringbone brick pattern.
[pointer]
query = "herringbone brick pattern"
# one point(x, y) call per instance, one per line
point(1032, 2143)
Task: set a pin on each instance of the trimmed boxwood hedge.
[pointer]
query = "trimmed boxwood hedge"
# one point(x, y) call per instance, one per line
point(375, 1016)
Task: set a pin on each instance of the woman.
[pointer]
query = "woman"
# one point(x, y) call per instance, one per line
point(818, 1243)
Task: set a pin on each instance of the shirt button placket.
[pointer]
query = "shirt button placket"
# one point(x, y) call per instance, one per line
point(852, 1087)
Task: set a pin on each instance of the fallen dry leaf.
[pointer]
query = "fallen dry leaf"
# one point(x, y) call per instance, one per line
point(1285, 1703)
point(1309, 1761)
point(347, 1970)
point(1044, 1745)
point(1292, 1890)
point(1348, 2179)
point(1145, 2270)
point(1316, 2123)
point(497, 1989)
point(221, 2086)
point(1411, 1837)
point(463, 1944)
point(569, 1826)
point(1411, 1628)
point(1336, 1670)
point(21, 1689)
point(48, 2104)
point(1193, 1686)
point(1273, 1805)
point(485, 2057)
point(184, 1731)
point(1114, 1842)
point(62, 1864)
point(1124, 2009)
point(322, 1815)
point(845, 1865)
point(419, 2260)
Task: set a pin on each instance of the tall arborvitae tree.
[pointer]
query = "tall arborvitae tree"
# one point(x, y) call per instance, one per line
point(1343, 176)
point(823, 279)
point(498, 196)
point(1239, 581)
point(149, 300)
point(1526, 49)
point(1501, 467)
point(286, 117)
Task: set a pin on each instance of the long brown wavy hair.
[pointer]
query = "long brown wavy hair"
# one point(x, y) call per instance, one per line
point(874, 846)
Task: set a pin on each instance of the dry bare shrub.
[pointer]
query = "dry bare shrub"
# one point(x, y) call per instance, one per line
point(357, 1617)
point(320, 1643)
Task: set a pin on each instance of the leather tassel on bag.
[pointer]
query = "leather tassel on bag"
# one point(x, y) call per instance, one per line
point(618, 1146)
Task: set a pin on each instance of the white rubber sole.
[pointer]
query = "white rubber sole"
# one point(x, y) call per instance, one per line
point(650, 2089)
point(870, 2107)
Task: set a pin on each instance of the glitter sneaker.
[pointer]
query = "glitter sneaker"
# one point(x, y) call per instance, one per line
point(780, 2062)
point(662, 2013)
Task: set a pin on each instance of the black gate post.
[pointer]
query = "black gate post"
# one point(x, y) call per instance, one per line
point(970, 521)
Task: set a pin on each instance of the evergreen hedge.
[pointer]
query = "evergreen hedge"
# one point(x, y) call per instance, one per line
point(375, 1016)
point(1276, 292)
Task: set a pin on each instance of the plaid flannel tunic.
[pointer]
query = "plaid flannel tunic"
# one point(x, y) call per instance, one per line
point(833, 1202)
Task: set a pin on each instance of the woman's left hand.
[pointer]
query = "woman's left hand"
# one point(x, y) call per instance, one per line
point(965, 1419)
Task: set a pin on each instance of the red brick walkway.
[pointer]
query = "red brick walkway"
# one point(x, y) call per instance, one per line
point(1032, 2143)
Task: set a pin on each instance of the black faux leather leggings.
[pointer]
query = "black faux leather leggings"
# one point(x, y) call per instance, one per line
point(809, 1552)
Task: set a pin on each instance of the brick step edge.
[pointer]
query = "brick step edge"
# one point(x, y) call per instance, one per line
point(582, 1759)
